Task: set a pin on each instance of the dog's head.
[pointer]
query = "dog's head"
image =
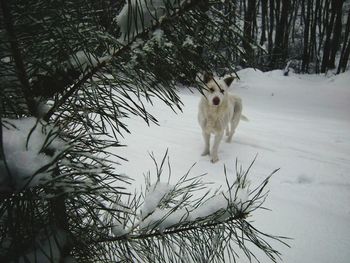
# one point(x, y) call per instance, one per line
point(215, 89)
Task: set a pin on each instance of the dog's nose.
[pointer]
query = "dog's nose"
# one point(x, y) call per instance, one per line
point(216, 101)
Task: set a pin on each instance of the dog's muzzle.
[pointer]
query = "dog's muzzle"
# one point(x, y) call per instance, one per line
point(216, 101)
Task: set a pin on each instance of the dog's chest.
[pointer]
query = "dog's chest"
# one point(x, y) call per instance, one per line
point(213, 124)
point(216, 121)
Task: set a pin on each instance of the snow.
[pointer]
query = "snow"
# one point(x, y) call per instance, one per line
point(119, 230)
point(84, 60)
point(23, 142)
point(154, 215)
point(188, 42)
point(299, 123)
point(154, 196)
point(158, 35)
point(236, 196)
point(137, 15)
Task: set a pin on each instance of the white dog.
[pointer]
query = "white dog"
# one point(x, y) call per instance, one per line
point(218, 111)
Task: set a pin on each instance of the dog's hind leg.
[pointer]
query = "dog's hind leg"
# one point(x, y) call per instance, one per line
point(206, 137)
point(235, 118)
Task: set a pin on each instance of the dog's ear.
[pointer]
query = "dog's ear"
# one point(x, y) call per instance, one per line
point(207, 76)
point(229, 80)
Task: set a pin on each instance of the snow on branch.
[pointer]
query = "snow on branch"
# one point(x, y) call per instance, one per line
point(138, 15)
point(171, 217)
point(161, 214)
point(31, 148)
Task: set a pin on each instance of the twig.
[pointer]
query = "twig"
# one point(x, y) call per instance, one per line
point(169, 232)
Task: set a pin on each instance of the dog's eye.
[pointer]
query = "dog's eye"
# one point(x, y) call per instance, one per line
point(211, 90)
point(222, 91)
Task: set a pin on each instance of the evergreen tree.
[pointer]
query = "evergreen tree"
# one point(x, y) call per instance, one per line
point(70, 73)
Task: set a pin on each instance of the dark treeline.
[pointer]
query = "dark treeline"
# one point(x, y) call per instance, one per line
point(311, 35)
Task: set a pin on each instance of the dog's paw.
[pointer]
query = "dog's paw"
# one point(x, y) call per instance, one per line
point(205, 153)
point(214, 159)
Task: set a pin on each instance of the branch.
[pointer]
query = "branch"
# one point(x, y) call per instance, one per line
point(20, 69)
point(3, 159)
point(209, 232)
point(186, 6)
point(169, 232)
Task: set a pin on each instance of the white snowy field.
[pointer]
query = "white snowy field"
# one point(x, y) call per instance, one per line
point(299, 123)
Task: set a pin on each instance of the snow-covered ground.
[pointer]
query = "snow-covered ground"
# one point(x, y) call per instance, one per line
point(299, 123)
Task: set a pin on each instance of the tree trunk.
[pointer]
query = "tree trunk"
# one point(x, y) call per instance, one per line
point(248, 29)
point(295, 15)
point(281, 44)
point(278, 9)
point(327, 44)
point(336, 34)
point(263, 21)
point(344, 56)
point(323, 21)
point(306, 52)
point(302, 17)
point(271, 28)
point(314, 56)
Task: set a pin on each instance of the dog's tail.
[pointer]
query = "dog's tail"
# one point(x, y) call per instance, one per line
point(244, 118)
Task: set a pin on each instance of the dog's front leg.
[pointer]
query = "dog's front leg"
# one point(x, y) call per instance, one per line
point(214, 151)
point(206, 137)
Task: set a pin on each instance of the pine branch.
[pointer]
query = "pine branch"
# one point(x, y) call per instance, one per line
point(231, 222)
point(171, 232)
point(187, 5)
point(3, 164)
point(16, 53)
point(83, 198)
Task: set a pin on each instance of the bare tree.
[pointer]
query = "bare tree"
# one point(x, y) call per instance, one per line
point(345, 52)
point(280, 51)
point(329, 33)
point(306, 52)
point(249, 18)
point(336, 35)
